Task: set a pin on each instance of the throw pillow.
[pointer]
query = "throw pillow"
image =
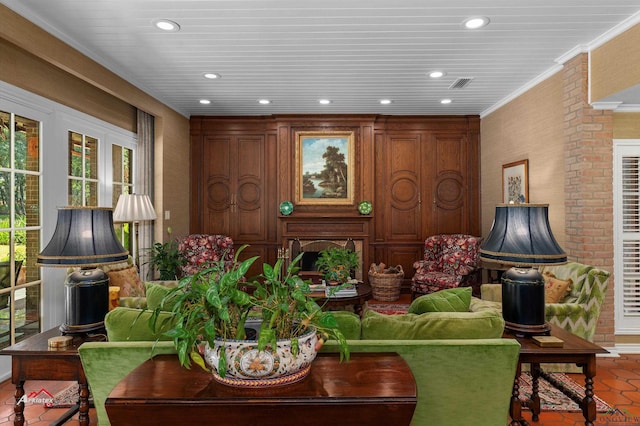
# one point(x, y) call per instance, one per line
point(555, 289)
point(449, 300)
point(128, 280)
point(156, 291)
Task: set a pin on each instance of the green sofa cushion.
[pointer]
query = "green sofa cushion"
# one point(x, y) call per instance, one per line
point(348, 324)
point(124, 324)
point(449, 300)
point(156, 291)
point(486, 324)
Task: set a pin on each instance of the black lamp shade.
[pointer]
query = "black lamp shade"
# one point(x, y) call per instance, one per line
point(521, 236)
point(83, 237)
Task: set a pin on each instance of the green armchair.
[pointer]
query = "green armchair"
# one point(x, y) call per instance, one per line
point(579, 311)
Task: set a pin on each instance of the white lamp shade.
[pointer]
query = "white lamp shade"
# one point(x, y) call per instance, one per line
point(134, 208)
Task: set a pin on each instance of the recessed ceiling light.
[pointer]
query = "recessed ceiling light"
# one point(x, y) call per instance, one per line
point(475, 22)
point(437, 74)
point(264, 101)
point(385, 101)
point(324, 101)
point(166, 25)
point(205, 101)
point(212, 75)
point(445, 101)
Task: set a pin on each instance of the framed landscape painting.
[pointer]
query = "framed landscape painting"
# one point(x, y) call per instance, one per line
point(324, 168)
point(515, 182)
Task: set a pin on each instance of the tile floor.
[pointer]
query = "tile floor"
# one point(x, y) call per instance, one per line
point(617, 383)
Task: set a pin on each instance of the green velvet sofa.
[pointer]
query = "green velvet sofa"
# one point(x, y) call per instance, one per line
point(464, 371)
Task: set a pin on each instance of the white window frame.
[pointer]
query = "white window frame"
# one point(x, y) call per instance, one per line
point(624, 323)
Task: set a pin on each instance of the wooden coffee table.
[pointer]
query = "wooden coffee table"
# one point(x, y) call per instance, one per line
point(575, 350)
point(364, 293)
point(368, 388)
point(31, 359)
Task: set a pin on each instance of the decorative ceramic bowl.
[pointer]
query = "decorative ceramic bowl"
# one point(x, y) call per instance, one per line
point(365, 207)
point(248, 367)
point(286, 208)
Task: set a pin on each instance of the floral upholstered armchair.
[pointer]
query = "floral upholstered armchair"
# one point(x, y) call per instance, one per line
point(450, 260)
point(201, 251)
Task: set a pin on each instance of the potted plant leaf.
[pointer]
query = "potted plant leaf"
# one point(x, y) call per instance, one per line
point(166, 259)
point(214, 308)
point(337, 264)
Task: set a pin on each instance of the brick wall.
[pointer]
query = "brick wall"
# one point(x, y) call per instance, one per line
point(588, 154)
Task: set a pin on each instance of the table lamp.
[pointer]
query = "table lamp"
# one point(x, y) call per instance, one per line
point(84, 237)
point(521, 236)
point(134, 208)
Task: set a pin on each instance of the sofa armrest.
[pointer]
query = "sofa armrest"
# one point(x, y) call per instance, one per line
point(479, 372)
point(106, 363)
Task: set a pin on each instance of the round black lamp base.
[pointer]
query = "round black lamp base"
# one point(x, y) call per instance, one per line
point(86, 301)
point(523, 302)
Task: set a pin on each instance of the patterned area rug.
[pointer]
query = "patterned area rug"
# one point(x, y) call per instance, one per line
point(552, 399)
point(389, 308)
point(66, 398)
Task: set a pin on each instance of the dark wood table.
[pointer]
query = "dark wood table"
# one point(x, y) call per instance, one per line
point(364, 293)
point(575, 350)
point(31, 359)
point(368, 388)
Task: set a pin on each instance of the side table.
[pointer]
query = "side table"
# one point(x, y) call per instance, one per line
point(31, 359)
point(364, 293)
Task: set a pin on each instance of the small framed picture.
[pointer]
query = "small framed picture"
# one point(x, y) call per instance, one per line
point(515, 182)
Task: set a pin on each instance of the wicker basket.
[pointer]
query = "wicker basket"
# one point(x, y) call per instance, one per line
point(386, 287)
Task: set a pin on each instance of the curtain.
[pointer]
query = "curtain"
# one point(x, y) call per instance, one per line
point(144, 185)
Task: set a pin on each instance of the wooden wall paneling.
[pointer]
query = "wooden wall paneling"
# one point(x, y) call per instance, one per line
point(217, 186)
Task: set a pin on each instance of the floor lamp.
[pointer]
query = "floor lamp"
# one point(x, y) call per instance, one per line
point(521, 236)
point(134, 208)
point(84, 238)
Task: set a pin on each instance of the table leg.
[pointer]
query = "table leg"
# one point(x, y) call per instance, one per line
point(18, 408)
point(534, 405)
point(84, 404)
point(515, 407)
point(589, 403)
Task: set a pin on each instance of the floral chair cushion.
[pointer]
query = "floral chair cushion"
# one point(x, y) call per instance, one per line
point(449, 259)
point(202, 251)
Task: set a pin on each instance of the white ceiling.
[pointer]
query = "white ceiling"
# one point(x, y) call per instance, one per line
point(354, 52)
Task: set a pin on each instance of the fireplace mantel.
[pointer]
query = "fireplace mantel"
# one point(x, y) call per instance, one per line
point(308, 227)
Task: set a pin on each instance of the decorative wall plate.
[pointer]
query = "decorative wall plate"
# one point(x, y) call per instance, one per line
point(286, 208)
point(365, 207)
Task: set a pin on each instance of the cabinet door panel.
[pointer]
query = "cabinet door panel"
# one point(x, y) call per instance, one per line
point(402, 191)
point(218, 191)
point(449, 187)
point(250, 200)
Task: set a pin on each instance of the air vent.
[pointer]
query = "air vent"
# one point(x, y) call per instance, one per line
point(461, 83)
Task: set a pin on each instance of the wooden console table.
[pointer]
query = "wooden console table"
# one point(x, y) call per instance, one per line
point(368, 388)
point(31, 359)
point(575, 350)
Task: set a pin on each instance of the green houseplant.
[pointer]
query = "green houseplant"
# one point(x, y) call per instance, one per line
point(213, 307)
point(336, 264)
point(166, 259)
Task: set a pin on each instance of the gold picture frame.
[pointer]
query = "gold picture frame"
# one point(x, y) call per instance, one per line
point(325, 168)
point(515, 182)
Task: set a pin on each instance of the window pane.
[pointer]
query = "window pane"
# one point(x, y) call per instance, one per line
point(27, 152)
point(5, 198)
point(91, 158)
point(75, 192)
point(5, 238)
point(27, 307)
point(32, 203)
point(91, 193)
point(75, 154)
point(127, 160)
point(116, 163)
point(5, 139)
point(30, 270)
